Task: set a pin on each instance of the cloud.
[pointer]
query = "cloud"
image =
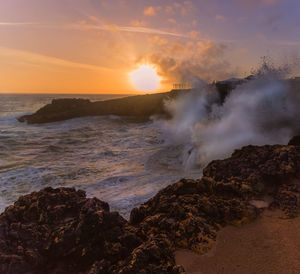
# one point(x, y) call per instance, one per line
point(134, 29)
point(169, 9)
point(180, 8)
point(37, 59)
point(138, 23)
point(149, 11)
point(18, 23)
point(157, 40)
point(172, 21)
point(187, 61)
point(194, 34)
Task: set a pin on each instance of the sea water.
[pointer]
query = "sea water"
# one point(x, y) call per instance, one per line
point(114, 159)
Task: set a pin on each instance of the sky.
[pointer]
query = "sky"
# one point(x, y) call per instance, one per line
point(93, 46)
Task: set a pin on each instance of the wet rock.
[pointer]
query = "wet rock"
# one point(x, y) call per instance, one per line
point(190, 213)
point(61, 231)
point(287, 199)
point(256, 168)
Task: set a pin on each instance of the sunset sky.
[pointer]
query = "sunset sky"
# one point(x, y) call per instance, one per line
point(93, 46)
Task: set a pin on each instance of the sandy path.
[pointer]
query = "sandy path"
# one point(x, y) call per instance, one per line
point(268, 245)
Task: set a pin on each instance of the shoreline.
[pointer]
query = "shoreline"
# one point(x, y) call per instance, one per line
point(270, 244)
point(62, 231)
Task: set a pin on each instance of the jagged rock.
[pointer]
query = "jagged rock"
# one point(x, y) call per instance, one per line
point(61, 231)
point(266, 170)
point(190, 213)
point(288, 199)
point(295, 141)
point(256, 167)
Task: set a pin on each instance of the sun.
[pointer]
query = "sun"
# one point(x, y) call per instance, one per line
point(145, 78)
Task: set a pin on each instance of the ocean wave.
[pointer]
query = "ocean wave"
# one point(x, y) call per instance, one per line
point(110, 157)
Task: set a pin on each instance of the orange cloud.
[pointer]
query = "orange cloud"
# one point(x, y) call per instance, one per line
point(38, 59)
point(156, 40)
point(37, 73)
point(189, 61)
point(169, 9)
point(194, 34)
point(113, 27)
point(172, 21)
point(149, 11)
point(138, 23)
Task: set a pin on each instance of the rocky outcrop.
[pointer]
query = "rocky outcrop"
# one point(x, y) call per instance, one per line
point(141, 106)
point(190, 213)
point(295, 141)
point(61, 231)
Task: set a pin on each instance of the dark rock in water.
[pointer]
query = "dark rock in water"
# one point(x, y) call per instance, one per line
point(61, 231)
point(140, 106)
point(295, 141)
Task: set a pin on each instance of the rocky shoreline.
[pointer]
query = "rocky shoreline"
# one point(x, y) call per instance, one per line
point(62, 231)
point(139, 107)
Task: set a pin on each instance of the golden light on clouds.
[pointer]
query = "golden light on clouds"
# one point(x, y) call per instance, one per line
point(145, 78)
point(47, 47)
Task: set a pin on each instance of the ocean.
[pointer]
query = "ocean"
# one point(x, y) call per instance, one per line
point(114, 159)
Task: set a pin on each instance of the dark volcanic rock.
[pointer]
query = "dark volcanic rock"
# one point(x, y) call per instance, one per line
point(295, 141)
point(191, 212)
point(61, 231)
point(140, 106)
point(287, 199)
point(256, 169)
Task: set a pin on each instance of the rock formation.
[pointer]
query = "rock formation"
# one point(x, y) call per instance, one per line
point(62, 231)
point(140, 106)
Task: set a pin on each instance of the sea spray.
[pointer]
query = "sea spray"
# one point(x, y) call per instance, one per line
point(263, 110)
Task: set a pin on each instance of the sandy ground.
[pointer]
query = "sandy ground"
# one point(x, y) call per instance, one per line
point(271, 244)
